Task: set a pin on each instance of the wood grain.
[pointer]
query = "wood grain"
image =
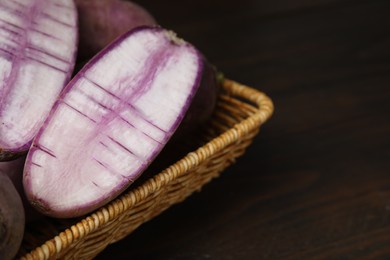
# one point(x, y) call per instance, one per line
point(315, 184)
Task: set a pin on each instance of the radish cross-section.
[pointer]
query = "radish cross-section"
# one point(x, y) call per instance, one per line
point(38, 41)
point(111, 121)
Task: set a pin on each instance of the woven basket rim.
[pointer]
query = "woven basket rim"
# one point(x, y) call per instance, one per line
point(55, 246)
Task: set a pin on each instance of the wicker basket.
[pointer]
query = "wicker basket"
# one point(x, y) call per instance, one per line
point(240, 112)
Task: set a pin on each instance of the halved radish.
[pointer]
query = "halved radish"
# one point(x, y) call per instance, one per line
point(38, 40)
point(112, 120)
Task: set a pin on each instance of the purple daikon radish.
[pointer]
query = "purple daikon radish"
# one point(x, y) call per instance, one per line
point(112, 120)
point(102, 21)
point(38, 40)
point(14, 170)
point(12, 220)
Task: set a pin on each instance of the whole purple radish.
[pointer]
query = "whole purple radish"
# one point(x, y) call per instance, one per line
point(38, 40)
point(14, 170)
point(112, 120)
point(102, 21)
point(12, 219)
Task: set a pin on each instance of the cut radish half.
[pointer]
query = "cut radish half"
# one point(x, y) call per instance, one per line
point(111, 121)
point(38, 40)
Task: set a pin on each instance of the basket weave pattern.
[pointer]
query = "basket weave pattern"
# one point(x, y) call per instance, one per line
point(240, 113)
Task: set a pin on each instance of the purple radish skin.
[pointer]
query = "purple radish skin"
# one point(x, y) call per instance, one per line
point(111, 121)
point(14, 170)
point(37, 55)
point(12, 219)
point(102, 21)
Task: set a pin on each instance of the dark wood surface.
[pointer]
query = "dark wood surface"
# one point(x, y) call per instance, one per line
point(316, 181)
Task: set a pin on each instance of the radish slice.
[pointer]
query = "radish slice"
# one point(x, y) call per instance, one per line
point(111, 121)
point(38, 40)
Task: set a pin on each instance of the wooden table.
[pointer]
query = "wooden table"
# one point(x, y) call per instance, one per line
point(316, 181)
